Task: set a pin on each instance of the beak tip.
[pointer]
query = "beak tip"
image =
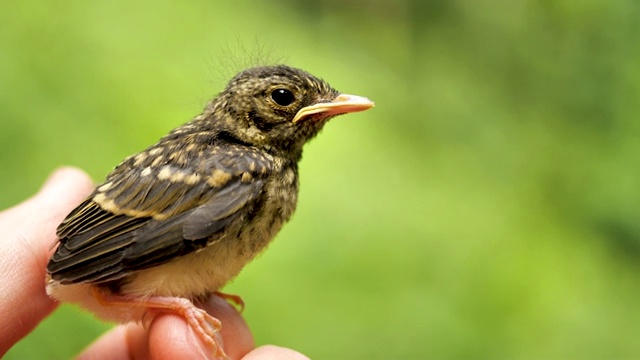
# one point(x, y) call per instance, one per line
point(342, 104)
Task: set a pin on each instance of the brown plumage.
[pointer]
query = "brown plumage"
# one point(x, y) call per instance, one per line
point(181, 218)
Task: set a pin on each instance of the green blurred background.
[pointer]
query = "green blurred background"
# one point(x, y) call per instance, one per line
point(487, 207)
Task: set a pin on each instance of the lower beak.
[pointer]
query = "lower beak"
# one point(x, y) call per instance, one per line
point(342, 104)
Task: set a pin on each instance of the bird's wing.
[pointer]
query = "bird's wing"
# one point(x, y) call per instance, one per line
point(143, 216)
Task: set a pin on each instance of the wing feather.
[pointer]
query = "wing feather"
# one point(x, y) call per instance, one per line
point(144, 216)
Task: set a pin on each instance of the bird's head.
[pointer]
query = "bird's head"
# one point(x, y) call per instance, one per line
point(279, 108)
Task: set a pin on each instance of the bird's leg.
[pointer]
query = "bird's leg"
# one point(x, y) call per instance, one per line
point(235, 299)
point(206, 326)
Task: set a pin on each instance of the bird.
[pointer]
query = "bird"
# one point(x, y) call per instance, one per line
point(172, 224)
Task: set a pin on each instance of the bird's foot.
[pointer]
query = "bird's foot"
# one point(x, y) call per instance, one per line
point(205, 326)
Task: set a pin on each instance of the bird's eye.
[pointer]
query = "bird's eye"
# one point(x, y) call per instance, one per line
point(282, 97)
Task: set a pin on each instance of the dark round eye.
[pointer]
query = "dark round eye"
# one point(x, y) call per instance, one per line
point(282, 97)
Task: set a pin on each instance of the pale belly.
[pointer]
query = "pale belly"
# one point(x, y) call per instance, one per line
point(192, 275)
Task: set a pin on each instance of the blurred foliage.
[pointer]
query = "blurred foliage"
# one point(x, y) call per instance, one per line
point(486, 208)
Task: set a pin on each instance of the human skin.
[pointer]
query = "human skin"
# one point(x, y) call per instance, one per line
point(28, 236)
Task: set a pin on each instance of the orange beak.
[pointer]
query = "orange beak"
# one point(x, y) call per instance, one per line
point(342, 104)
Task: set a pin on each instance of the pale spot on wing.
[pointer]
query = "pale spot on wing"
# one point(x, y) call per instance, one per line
point(100, 198)
point(246, 177)
point(218, 178)
point(177, 176)
point(107, 204)
point(139, 159)
point(165, 173)
point(178, 158)
point(192, 179)
point(146, 171)
point(155, 151)
point(104, 187)
point(110, 205)
point(157, 160)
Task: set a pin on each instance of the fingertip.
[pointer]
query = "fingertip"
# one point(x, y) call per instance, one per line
point(67, 176)
point(272, 352)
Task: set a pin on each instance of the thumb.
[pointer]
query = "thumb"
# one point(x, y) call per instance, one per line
point(28, 234)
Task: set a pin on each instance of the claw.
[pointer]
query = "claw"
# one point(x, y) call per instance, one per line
point(235, 299)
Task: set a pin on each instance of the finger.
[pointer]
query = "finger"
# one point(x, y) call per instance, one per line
point(115, 344)
point(271, 352)
point(171, 338)
point(28, 234)
point(131, 342)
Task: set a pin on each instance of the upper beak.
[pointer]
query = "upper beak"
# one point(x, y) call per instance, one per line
point(342, 104)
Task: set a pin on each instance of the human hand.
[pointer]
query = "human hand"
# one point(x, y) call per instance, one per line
point(28, 235)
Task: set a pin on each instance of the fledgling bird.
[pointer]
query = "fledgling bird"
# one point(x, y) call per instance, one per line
point(172, 224)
